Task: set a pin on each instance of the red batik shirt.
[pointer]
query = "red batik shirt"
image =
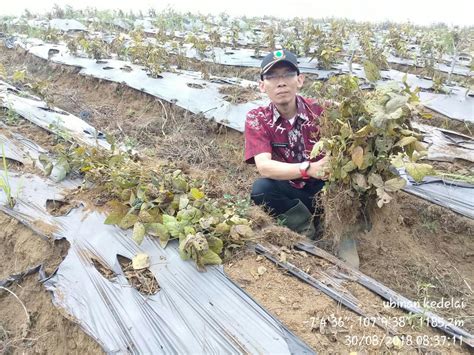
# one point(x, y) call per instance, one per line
point(267, 132)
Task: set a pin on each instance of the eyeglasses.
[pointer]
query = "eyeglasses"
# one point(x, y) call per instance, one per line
point(275, 77)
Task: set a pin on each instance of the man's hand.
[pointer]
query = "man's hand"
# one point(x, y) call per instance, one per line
point(320, 169)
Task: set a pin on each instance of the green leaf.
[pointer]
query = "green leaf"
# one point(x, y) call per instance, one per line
point(419, 171)
point(183, 202)
point(348, 167)
point(172, 225)
point(397, 161)
point(358, 156)
point(196, 193)
point(47, 163)
point(115, 217)
point(160, 231)
point(395, 103)
point(128, 221)
point(372, 72)
point(210, 258)
point(395, 184)
point(138, 233)
point(180, 184)
point(215, 244)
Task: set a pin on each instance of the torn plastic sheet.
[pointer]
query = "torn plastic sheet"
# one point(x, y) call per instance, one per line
point(183, 88)
point(21, 275)
point(457, 196)
point(446, 145)
point(194, 312)
point(51, 119)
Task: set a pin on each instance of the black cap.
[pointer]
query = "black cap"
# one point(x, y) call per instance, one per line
point(281, 55)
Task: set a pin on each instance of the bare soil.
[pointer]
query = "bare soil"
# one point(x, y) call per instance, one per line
point(47, 329)
point(418, 249)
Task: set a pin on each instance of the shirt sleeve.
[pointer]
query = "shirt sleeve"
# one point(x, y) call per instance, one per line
point(257, 139)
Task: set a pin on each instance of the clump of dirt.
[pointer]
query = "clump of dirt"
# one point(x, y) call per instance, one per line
point(142, 280)
point(59, 208)
point(237, 94)
point(344, 215)
point(44, 329)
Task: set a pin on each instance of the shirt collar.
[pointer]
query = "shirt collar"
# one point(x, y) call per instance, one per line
point(300, 110)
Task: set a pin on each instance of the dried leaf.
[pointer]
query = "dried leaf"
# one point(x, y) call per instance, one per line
point(118, 211)
point(358, 156)
point(376, 180)
point(222, 228)
point(145, 217)
point(140, 261)
point(405, 141)
point(243, 230)
point(183, 202)
point(317, 148)
point(384, 197)
point(360, 182)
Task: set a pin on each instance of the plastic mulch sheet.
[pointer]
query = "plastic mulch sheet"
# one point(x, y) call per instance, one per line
point(193, 312)
point(446, 145)
point(182, 89)
point(185, 89)
point(457, 196)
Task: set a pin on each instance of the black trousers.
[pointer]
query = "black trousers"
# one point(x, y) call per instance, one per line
point(279, 196)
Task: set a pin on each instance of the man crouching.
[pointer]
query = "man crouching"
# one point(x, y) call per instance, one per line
point(279, 139)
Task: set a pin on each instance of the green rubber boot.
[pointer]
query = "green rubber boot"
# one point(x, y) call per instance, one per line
point(300, 220)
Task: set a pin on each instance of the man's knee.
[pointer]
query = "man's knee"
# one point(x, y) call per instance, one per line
point(263, 186)
point(261, 189)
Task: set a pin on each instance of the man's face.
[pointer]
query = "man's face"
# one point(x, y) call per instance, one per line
point(281, 83)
